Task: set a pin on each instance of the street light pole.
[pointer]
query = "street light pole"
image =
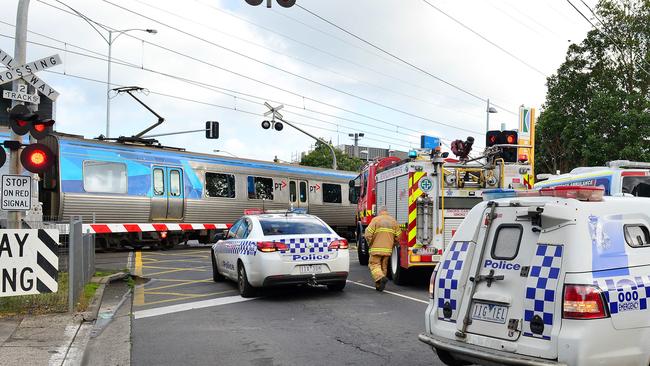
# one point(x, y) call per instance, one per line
point(110, 41)
point(488, 110)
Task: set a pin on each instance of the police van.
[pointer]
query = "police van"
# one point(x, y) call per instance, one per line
point(619, 177)
point(559, 276)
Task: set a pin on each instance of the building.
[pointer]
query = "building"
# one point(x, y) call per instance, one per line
point(371, 153)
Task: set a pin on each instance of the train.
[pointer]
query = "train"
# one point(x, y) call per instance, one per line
point(164, 195)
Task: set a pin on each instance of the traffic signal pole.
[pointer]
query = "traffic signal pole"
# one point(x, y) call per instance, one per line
point(14, 218)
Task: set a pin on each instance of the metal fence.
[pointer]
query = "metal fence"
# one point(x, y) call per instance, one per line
point(81, 259)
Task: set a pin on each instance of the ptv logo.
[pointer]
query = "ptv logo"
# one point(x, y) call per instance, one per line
point(280, 185)
point(314, 188)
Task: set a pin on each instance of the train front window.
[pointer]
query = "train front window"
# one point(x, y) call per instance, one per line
point(638, 186)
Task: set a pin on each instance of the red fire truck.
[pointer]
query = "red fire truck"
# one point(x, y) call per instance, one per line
point(430, 194)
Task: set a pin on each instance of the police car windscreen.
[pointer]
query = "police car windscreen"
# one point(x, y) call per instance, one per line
point(637, 186)
point(289, 226)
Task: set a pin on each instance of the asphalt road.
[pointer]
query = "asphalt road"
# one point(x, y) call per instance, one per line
point(181, 317)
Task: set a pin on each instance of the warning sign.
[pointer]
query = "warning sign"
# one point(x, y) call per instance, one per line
point(16, 192)
point(29, 261)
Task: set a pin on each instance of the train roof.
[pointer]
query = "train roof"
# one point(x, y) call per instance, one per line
point(75, 140)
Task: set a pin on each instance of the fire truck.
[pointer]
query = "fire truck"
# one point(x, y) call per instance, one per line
point(430, 194)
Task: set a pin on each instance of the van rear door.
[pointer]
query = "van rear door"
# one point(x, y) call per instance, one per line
point(515, 285)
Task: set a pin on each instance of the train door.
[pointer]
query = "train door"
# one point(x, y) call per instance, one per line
point(167, 201)
point(298, 194)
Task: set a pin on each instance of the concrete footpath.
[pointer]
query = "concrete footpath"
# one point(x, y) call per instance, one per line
point(100, 336)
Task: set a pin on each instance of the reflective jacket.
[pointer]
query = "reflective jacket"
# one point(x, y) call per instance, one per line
point(382, 233)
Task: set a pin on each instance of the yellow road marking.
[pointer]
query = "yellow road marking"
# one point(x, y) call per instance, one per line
point(138, 263)
point(138, 298)
point(164, 272)
point(186, 254)
point(177, 294)
point(178, 260)
point(178, 285)
point(189, 297)
point(197, 268)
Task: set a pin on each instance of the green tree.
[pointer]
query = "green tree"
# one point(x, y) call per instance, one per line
point(597, 103)
point(321, 157)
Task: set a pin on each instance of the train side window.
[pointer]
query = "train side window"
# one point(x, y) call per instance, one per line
point(104, 177)
point(637, 236)
point(174, 183)
point(331, 193)
point(260, 188)
point(292, 192)
point(158, 182)
point(219, 185)
point(303, 192)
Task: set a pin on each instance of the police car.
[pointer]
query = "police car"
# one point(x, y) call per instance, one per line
point(559, 276)
point(281, 248)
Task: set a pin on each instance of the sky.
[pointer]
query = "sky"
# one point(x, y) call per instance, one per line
point(220, 60)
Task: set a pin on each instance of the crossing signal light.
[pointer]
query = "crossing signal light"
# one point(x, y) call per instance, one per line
point(286, 3)
point(266, 125)
point(492, 138)
point(41, 128)
point(211, 130)
point(20, 119)
point(508, 154)
point(37, 158)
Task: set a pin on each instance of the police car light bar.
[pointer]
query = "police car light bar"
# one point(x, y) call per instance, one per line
point(581, 193)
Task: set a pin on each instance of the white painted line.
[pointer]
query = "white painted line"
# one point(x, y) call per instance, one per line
point(188, 306)
point(389, 292)
point(129, 262)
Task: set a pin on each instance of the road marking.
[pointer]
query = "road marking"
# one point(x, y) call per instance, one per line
point(129, 262)
point(184, 283)
point(187, 297)
point(138, 263)
point(188, 306)
point(390, 292)
point(175, 270)
point(138, 297)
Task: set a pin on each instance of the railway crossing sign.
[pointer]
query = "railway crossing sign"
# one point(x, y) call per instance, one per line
point(16, 192)
point(29, 261)
point(26, 72)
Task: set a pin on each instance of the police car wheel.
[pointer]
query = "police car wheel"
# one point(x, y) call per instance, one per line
point(245, 288)
point(448, 359)
point(216, 276)
point(339, 286)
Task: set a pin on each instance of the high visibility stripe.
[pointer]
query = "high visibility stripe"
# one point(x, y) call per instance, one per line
point(370, 230)
point(380, 250)
point(414, 193)
point(385, 230)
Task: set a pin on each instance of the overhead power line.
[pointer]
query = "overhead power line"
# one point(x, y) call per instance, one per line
point(239, 74)
point(448, 83)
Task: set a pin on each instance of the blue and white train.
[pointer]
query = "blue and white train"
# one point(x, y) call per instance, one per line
point(131, 184)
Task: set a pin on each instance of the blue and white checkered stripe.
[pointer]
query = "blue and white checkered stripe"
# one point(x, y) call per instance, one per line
point(541, 289)
point(244, 248)
point(616, 289)
point(308, 245)
point(448, 278)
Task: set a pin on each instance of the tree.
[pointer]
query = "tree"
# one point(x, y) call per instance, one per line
point(321, 157)
point(597, 103)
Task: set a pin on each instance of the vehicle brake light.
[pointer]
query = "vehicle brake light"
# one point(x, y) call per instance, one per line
point(338, 244)
point(432, 284)
point(583, 302)
point(253, 211)
point(271, 246)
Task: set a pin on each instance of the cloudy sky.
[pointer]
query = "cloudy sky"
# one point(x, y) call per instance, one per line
point(221, 59)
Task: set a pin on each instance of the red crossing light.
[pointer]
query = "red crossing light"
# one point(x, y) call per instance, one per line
point(36, 158)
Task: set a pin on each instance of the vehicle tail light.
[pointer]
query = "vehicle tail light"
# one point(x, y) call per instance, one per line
point(163, 234)
point(583, 302)
point(432, 284)
point(338, 244)
point(271, 246)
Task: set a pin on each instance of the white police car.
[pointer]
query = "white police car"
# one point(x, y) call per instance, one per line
point(285, 248)
point(545, 280)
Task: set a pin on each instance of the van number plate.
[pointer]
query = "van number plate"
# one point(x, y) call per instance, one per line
point(312, 268)
point(490, 312)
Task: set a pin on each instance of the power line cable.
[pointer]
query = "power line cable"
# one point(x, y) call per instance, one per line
point(486, 39)
point(403, 60)
point(257, 80)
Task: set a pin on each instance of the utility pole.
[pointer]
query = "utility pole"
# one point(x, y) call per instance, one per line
point(14, 218)
point(356, 137)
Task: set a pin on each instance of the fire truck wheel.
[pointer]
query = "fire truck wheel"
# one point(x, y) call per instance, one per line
point(397, 273)
point(362, 249)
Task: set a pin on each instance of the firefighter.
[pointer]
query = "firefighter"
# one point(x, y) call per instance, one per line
point(382, 233)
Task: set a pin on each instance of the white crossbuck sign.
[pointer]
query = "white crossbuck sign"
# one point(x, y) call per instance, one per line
point(26, 72)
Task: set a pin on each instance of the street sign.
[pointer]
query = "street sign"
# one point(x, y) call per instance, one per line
point(29, 260)
point(23, 97)
point(16, 192)
point(26, 72)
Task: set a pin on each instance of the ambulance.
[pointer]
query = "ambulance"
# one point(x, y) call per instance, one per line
point(557, 276)
point(619, 177)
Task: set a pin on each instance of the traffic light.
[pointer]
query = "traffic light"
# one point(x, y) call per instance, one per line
point(508, 154)
point(211, 130)
point(36, 157)
point(278, 126)
point(266, 125)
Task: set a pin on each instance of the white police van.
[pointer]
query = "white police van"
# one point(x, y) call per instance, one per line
point(559, 276)
point(619, 177)
point(265, 249)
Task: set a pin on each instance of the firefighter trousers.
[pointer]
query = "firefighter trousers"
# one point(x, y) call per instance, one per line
point(378, 265)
